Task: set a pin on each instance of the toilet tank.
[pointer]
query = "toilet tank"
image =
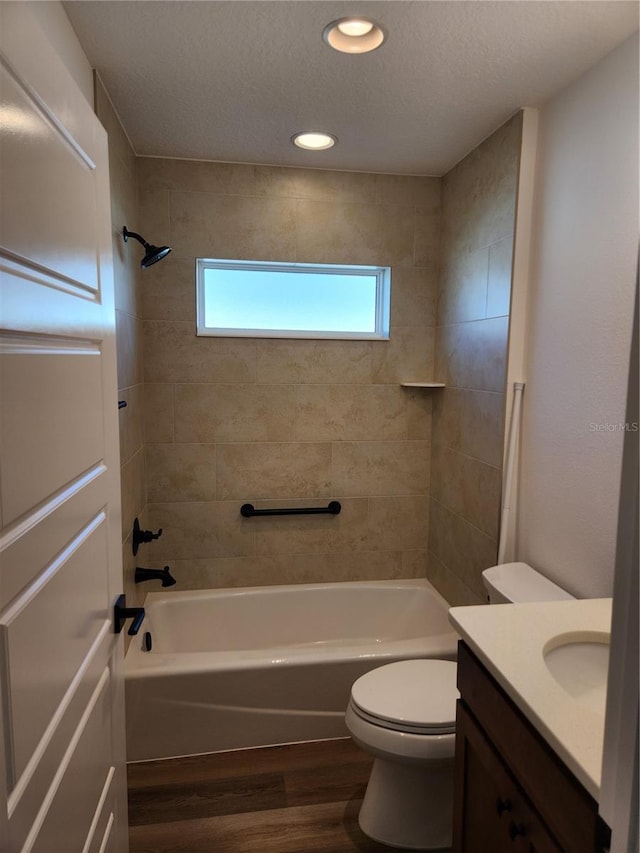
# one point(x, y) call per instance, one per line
point(518, 582)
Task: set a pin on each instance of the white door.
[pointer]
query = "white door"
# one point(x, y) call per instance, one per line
point(62, 710)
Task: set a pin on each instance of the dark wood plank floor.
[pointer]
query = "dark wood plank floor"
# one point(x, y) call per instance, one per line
point(300, 798)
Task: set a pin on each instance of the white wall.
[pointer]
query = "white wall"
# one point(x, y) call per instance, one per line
point(579, 325)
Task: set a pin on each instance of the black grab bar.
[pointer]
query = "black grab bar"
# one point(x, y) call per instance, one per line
point(247, 510)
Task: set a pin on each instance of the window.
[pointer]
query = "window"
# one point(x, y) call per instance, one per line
point(267, 299)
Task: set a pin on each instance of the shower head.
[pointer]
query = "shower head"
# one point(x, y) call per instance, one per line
point(152, 254)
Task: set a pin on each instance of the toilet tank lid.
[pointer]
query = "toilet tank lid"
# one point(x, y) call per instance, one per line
point(519, 582)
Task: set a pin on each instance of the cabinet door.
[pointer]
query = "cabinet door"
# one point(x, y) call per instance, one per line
point(491, 813)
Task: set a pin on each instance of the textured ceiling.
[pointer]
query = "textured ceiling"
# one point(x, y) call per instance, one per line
point(232, 81)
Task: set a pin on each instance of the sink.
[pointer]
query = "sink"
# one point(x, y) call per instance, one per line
point(579, 662)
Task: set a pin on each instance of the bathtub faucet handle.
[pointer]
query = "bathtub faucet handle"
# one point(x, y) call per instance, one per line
point(140, 536)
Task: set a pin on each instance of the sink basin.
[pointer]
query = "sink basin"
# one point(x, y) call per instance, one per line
point(579, 662)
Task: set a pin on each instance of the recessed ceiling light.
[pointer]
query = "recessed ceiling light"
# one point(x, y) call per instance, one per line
point(355, 27)
point(353, 35)
point(314, 141)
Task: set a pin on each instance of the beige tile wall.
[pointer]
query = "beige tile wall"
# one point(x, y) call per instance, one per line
point(478, 220)
point(297, 422)
point(276, 422)
point(126, 259)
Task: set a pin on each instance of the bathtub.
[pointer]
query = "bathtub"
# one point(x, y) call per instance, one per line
point(237, 668)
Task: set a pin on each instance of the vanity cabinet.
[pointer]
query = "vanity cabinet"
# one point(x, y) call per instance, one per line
point(512, 792)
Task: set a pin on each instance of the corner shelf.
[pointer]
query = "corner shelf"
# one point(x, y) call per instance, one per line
point(422, 385)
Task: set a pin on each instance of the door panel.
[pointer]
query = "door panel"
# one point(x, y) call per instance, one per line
point(58, 519)
point(45, 641)
point(82, 777)
point(60, 171)
point(100, 837)
point(63, 788)
point(51, 424)
point(34, 783)
point(37, 65)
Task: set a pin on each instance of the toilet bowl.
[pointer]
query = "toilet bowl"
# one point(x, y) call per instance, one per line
point(404, 715)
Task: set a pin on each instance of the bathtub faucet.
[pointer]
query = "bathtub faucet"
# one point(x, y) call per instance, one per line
point(154, 574)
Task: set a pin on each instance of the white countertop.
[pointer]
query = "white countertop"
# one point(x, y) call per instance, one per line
point(510, 639)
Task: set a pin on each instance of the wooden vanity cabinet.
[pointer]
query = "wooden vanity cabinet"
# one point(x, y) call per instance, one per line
point(512, 792)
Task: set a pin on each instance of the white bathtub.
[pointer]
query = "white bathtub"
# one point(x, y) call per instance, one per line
point(235, 668)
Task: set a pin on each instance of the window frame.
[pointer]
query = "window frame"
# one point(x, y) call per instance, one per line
point(382, 298)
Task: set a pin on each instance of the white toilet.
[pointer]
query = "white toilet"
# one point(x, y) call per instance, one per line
point(404, 714)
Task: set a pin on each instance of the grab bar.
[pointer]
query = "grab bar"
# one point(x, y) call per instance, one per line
point(247, 510)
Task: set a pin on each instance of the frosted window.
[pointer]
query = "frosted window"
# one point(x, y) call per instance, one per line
point(266, 299)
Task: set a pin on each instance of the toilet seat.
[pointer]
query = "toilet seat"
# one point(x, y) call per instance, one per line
point(413, 696)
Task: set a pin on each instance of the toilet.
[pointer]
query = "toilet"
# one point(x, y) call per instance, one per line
point(404, 715)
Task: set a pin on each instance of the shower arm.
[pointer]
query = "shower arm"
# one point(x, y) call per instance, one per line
point(126, 234)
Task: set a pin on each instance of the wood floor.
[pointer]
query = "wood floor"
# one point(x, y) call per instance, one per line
point(301, 798)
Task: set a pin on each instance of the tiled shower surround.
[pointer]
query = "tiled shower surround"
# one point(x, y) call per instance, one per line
point(282, 422)
point(478, 221)
point(296, 423)
point(124, 211)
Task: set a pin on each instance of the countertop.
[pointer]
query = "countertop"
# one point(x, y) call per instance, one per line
point(510, 639)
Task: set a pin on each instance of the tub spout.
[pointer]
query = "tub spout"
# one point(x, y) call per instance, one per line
point(163, 575)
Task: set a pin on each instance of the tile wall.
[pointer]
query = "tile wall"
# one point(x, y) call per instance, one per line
point(277, 422)
point(478, 221)
point(126, 260)
point(212, 423)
